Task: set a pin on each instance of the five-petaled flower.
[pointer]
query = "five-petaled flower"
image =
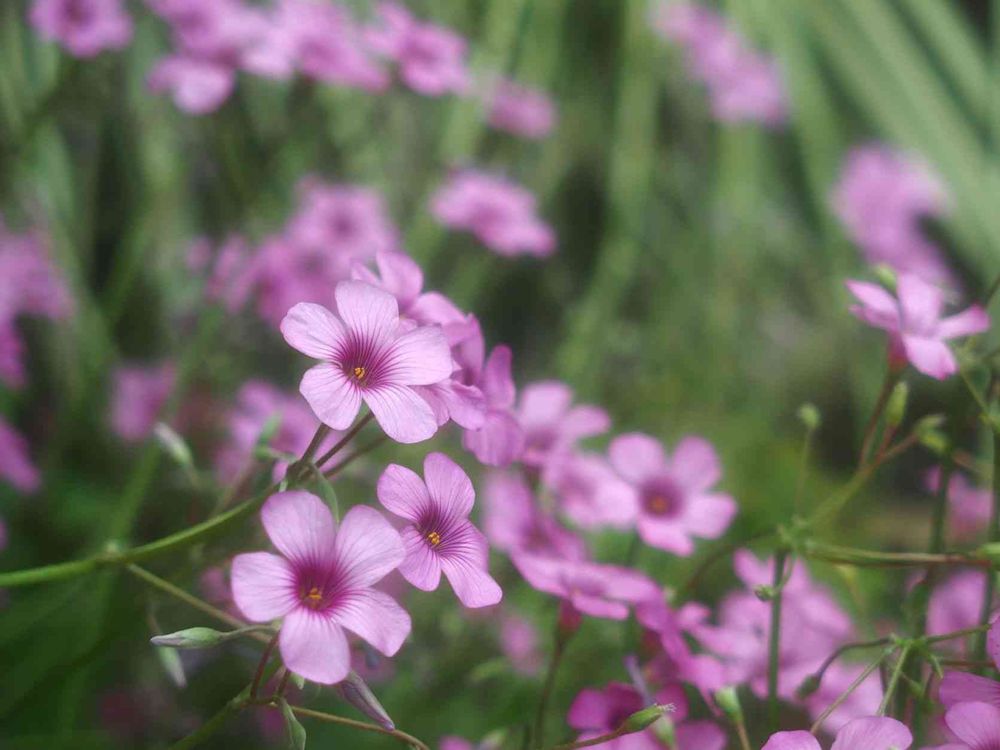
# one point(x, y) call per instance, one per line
point(867, 733)
point(368, 354)
point(322, 584)
point(440, 537)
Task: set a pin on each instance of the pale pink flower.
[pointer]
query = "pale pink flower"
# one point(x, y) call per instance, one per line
point(322, 584)
point(348, 221)
point(969, 506)
point(552, 424)
point(285, 273)
point(138, 395)
point(440, 537)
point(955, 604)
point(500, 439)
point(455, 743)
point(673, 494)
point(589, 492)
point(198, 85)
point(431, 58)
point(521, 110)
point(231, 278)
point(976, 726)
point(368, 356)
point(677, 662)
point(867, 733)
point(16, 467)
point(881, 197)
point(864, 700)
point(591, 588)
point(84, 27)
point(520, 644)
point(913, 319)
point(500, 213)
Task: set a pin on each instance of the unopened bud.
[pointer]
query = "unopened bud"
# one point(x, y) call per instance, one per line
point(895, 409)
point(763, 592)
point(930, 436)
point(729, 702)
point(809, 416)
point(808, 686)
point(355, 691)
point(644, 718)
point(189, 638)
point(886, 277)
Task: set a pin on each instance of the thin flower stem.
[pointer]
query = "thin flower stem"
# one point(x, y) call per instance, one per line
point(344, 440)
point(774, 639)
point(818, 724)
point(875, 559)
point(888, 383)
point(715, 556)
point(819, 673)
point(283, 684)
point(184, 596)
point(349, 458)
point(403, 737)
point(203, 733)
point(538, 733)
point(261, 666)
point(803, 470)
point(956, 634)
point(993, 535)
point(619, 732)
point(321, 432)
point(741, 732)
point(897, 672)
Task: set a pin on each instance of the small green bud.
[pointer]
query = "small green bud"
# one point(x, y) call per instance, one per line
point(808, 686)
point(886, 277)
point(174, 445)
point(171, 664)
point(190, 638)
point(895, 409)
point(728, 700)
point(268, 431)
point(809, 416)
point(763, 592)
point(645, 717)
point(930, 423)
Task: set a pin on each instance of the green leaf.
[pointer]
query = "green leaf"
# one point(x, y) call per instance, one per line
point(296, 732)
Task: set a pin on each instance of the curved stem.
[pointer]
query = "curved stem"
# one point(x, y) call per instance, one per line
point(184, 596)
point(818, 724)
point(819, 673)
point(873, 558)
point(349, 458)
point(262, 665)
point(891, 377)
point(897, 672)
point(362, 725)
point(344, 440)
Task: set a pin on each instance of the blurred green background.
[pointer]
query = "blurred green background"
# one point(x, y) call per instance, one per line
point(698, 287)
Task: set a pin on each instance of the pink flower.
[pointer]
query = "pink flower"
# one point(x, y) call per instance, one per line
point(440, 537)
point(519, 642)
point(455, 743)
point(552, 425)
point(963, 687)
point(198, 85)
point(589, 491)
point(347, 221)
point(676, 662)
point(881, 197)
point(673, 494)
point(500, 213)
point(139, 393)
point(968, 506)
point(917, 332)
point(367, 355)
point(322, 584)
point(84, 27)
point(431, 58)
point(868, 733)
point(864, 700)
point(591, 588)
point(955, 604)
point(16, 467)
point(976, 725)
point(500, 439)
point(521, 110)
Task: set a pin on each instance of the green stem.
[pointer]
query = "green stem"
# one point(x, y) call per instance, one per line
point(403, 737)
point(184, 596)
point(207, 730)
point(897, 672)
point(818, 724)
point(538, 733)
point(774, 639)
point(344, 440)
point(351, 457)
point(819, 673)
point(979, 653)
point(888, 383)
point(871, 558)
point(956, 634)
point(265, 657)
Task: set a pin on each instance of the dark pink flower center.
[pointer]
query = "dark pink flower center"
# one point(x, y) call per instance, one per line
point(365, 361)
point(439, 529)
point(80, 12)
point(662, 498)
point(319, 587)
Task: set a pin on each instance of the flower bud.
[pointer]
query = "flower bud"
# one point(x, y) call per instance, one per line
point(763, 592)
point(190, 638)
point(729, 702)
point(809, 416)
point(886, 277)
point(808, 686)
point(895, 409)
point(644, 718)
point(930, 436)
point(355, 691)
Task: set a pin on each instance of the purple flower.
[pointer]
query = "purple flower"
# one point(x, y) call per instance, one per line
point(589, 492)
point(83, 27)
point(500, 439)
point(198, 85)
point(917, 332)
point(500, 213)
point(16, 467)
point(591, 588)
point(431, 58)
point(521, 110)
point(975, 724)
point(139, 393)
point(552, 425)
point(322, 584)
point(367, 355)
point(955, 604)
point(881, 197)
point(676, 662)
point(673, 494)
point(963, 687)
point(440, 537)
point(349, 222)
point(519, 642)
point(868, 733)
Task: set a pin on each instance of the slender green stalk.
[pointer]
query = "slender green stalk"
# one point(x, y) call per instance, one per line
point(344, 440)
point(897, 672)
point(356, 454)
point(211, 727)
point(538, 733)
point(265, 657)
point(888, 383)
point(774, 639)
point(818, 724)
point(184, 596)
point(872, 558)
point(407, 739)
point(955, 634)
point(819, 673)
point(993, 535)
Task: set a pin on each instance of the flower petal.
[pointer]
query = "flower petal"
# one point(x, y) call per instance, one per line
point(450, 488)
point(798, 740)
point(920, 302)
point(420, 357)
point(496, 380)
point(375, 617)
point(931, 356)
point(962, 687)
point(665, 535)
point(313, 646)
point(498, 442)
point(709, 516)
point(367, 546)
point(636, 456)
point(584, 421)
point(544, 403)
point(873, 733)
point(263, 586)
point(301, 526)
point(368, 312)
point(700, 735)
point(598, 607)
point(401, 413)
point(880, 308)
point(465, 566)
point(331, 395)
point(422, 566)
point(313, 330)
point(975, 724)
point(966, 323)
point(402, 491)
point(695, 464)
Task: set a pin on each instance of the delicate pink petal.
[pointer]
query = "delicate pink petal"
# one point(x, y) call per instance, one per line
point(636, 456)
point(880, 308)
point(963, 687)
point(975, 724)
point(331, 395)
point(700, 735)
point(402, 491)
point(466, 570)
point(300, 525)
point(920, 301)
point(313, 330)
point(585, 421)
point(598, 607)
point(400, 275)
point(376, 617)
point(465, 403)
point(368, 311)
point(931, 356)
point(873, 733)
point(496, 381)
point(798, 740)
point(367, 546)
point(401, 413)
point(314, 646)
point(499, 442)
point(544, 402)
point(665, 535)
point(709, 516)
point(263, 586)
point(966, 323)
point(421, 357)
point(449, 486)
point(422, 566)
point(993, 640)
point(695, 464)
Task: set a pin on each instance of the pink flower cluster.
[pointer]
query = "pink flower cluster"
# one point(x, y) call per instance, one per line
point(138, 396)
point(85, 27)
point(743, 85)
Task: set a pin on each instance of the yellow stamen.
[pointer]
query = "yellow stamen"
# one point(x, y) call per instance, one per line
point(359, 373)
point(434, 538)
point(659, 504)
point(314, 594)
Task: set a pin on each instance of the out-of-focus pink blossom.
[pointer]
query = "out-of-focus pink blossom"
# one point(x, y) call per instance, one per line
point(431, 58)
point(676, 662)
point(962, 687)
point(521, 110)
point(348, 221)
point(16, 467)
point(84, 27)
point(968, 506)
point(881, 197)
point(866, 733)
point(519, 643)
point(500, 439)
point(976, 725)
point(440, 538)
point(455, 743)
point(366, 355)
point(500, 213)
point(673, 494)
point(913, 319)
point(139, 393)
point(552, 424)
point(589, 492)
point(743, 85)
point(198, 85)
point(955, 604)
point(322, 584)
point(864, 700)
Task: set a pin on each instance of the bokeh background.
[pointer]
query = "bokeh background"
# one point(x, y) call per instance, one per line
point(697, 287)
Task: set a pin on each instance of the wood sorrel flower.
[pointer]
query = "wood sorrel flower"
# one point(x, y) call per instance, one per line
point(975, 724)
point(552, 424)
point(83, 27)
point(917, 332)
point(440, 536)
point(868, 733)
point(322, 583)
point(673, 494)
point(500, 439)
point(367, 355)
point(521, 110)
